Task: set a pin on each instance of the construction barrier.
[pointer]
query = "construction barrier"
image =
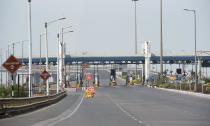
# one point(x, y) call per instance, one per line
point(90, 92)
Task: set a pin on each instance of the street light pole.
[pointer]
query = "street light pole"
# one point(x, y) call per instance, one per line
point(40, 49)
point(30, 48)
point(6, 56)
point(135, 27)
point(8, 51)
point(1, 65)
point(13, 48)
point(46, 42)
point(46, 45)
point(57, 86)
point(161, 37)
point(62, 56)
point(63, 52)
point(195, 35)
point(40, 58)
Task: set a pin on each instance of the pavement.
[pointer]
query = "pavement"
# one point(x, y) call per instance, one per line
point(121, 106)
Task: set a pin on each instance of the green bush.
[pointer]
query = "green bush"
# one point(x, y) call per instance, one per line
point(137, 81)
point(6, 92)
point(207, 88)
point(167, 85)
point(207, 91)
point(22, 93)
point(185, 86)
point(207, 80)
point(161, 81)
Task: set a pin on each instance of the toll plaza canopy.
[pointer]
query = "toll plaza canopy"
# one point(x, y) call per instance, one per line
point(205, 60)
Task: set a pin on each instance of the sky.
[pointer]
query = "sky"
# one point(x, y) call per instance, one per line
point(105, 27)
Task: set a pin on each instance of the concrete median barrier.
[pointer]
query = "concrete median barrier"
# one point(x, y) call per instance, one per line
point(14, 106)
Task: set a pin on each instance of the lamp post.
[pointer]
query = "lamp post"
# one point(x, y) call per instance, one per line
point(46, 42)
point(1, 65)
point(63, 52)
point(161, 37)
point(61, 57)
point(195, 35)
point(59, 60)
point(6, 56)
point(57, 85)
point(13, 46)
point(40, 47)
point(135, 27)
point(30, 47)
point(40, 57)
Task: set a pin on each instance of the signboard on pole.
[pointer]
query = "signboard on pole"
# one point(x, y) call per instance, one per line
point(12, 64)
point(88, 77)
point(44, 75)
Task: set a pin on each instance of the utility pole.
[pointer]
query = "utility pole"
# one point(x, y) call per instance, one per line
point(1, 66)
point(13, 48)
point(30, 48)
point(46, 42)
point(57, 86)
point(136, 45)
point(161, 37)
point(195, 35)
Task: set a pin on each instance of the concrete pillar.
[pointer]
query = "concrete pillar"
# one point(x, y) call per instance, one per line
point(147, 55)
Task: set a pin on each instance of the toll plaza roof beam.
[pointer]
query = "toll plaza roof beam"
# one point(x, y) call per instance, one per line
point(121, 59)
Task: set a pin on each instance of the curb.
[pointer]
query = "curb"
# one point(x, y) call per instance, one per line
point(186, 92)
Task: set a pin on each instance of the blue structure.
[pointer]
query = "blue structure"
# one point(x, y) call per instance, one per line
point(205, 60)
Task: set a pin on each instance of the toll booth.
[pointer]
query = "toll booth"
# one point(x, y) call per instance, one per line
point(113, 78)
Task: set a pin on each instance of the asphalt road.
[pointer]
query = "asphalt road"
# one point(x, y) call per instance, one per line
point(121, 106)
point(46, 113)
point(140, 106)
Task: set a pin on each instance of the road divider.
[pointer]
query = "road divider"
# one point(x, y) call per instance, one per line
point(14, 106)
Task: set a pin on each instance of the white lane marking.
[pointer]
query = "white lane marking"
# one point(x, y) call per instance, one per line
point(133, 117)
point(126, 112)
point(123, 110)
point(128, 115)
point(140, 121)
point(61, 117)
point(73, 112)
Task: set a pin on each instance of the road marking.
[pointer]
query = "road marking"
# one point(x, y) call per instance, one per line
point(126, 112)
point(140, 121)
point(65, 115)
point(74, 111)
point(133, 117)
point(129, 115)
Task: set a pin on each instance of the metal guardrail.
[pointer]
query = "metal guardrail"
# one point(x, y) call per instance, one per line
point(13, 106)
